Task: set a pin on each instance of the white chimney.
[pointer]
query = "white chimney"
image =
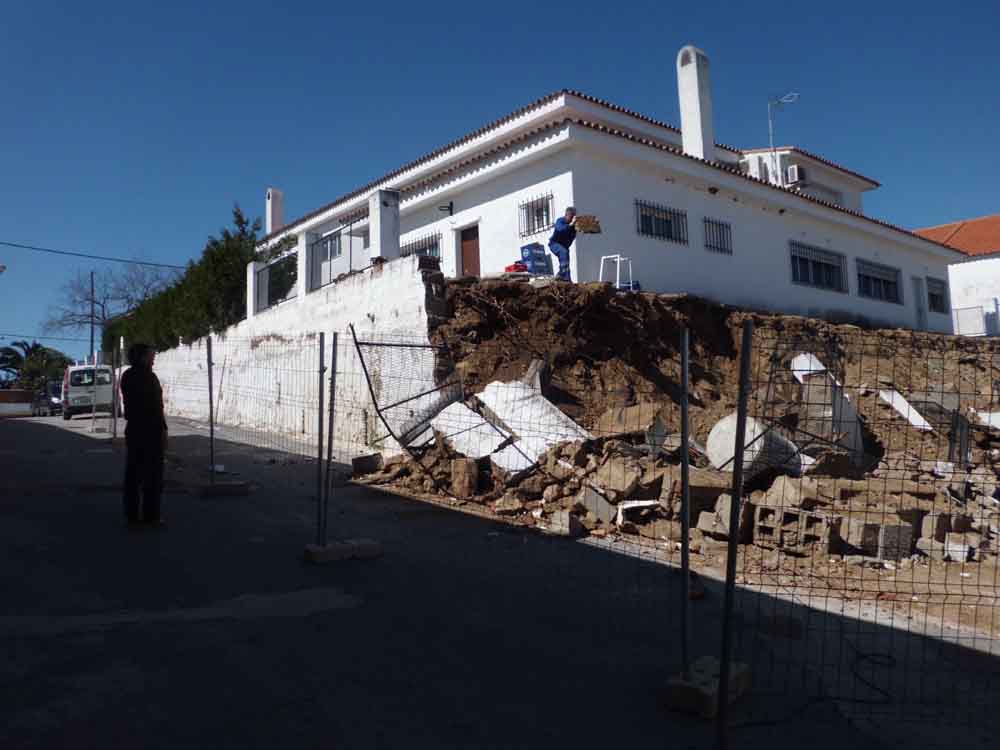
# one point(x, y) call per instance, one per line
point(275, 210)
point(695, 91)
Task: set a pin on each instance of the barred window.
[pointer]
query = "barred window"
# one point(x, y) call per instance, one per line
point(876, 281)
point(277, 282)
point(937, 296)
point(661, 222)
point(429, 245)
point(814, 266)
point(322, 253)
point(535, 215)
point(718, 236)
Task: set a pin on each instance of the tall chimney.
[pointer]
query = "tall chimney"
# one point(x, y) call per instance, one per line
point(695, 91)
point(275, 210)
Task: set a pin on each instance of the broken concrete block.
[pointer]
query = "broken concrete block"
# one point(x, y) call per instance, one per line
point(895, 541)
point(932, 548)
point(552, 493)
point(961, 547)
point(794, 530)
point(786, 492)
point(863, 535)
point(591, 499)
point(508, 505)
point(935, 526)
point(700, 694)
point(763, 449)
point(618, 475)
point(961, 523)
point(626, 420)
point(368, 464)
point(631, 505)
point(720, 519)
point(563, 523)
point(705, 488)
point(464, 477)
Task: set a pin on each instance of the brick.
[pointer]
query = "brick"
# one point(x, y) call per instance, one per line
point(700, 694)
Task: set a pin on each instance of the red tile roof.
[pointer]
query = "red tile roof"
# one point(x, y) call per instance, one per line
point(815, 157)
point(471, 136)
point(972, 236)
point(593, 126)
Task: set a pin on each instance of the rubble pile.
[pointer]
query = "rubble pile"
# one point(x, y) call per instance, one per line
point(843, 461)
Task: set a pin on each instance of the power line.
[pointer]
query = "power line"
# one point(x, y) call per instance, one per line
point(89, 255)
point(26, 336)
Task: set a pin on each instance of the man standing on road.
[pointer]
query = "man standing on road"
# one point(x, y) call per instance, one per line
point(561, 239)
point(145, 437)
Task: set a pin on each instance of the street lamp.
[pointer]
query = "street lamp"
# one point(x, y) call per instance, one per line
point(772, 106)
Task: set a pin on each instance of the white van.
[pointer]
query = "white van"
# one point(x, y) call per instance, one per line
point(79, 390)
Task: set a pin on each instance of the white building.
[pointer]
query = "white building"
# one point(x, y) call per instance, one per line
point(780, 230)
point(975, 280)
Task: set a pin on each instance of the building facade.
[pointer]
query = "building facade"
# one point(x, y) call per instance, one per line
point(780, 230)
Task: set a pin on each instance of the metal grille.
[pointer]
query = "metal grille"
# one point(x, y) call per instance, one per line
point(718, 236)
point(277, 282)
point(322, 253)
point(937, 295)
point(428, 245)
point(661, 222)
point(876, 281)
point(535, 215)
point(814, 266)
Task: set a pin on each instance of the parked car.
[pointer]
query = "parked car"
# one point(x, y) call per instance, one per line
point(48, 400)
point(80, 391)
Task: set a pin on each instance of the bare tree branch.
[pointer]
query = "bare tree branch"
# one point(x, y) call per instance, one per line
point(115, 293)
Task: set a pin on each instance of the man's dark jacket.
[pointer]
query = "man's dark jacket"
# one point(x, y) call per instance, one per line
point(143, 402)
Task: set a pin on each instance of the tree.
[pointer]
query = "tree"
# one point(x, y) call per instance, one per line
point(115, 293)
point(209, 297)
point(30, 365)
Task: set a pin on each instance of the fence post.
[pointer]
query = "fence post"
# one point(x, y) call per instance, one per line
point(211, 413)
point(329, 436)
point(320, 541)
point(685, 514)
point(115, 358)
point(734, 522)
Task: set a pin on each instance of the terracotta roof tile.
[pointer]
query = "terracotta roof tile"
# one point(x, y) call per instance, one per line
point(979, 236)
point(815, 157)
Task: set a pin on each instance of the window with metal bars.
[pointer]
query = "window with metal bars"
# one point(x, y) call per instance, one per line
point(876, 281)
point(661, 222)
point(277, 282)
point(535, 215)
point(718, 236)
point(937, 296)
point(814, 266)
point(322, 253)
point(429, 245)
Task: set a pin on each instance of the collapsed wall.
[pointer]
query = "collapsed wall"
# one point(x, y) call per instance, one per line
point(873, 468)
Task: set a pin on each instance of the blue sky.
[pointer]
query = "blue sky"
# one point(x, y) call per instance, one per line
point(131, 130)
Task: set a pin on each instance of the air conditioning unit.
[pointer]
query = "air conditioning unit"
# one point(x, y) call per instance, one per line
point(796, 174)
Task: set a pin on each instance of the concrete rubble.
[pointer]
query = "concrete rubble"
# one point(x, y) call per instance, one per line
point(588, 443)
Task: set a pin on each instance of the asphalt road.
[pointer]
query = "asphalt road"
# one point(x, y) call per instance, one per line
point(214, 633)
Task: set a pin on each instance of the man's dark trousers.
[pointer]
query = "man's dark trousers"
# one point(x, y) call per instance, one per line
point(143, 470)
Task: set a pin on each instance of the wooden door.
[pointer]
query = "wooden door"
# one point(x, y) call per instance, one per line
point(470, 251)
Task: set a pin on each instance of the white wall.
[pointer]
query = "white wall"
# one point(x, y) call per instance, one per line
point(975, 296)
point(609, 176)
point(266, 368)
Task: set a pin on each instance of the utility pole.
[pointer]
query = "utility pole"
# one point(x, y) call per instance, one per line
point(91, 315)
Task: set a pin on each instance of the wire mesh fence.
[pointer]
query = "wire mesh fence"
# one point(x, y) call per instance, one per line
point(847, 554)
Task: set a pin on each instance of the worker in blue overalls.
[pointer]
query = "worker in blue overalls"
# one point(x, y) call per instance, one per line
point(561, 239)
